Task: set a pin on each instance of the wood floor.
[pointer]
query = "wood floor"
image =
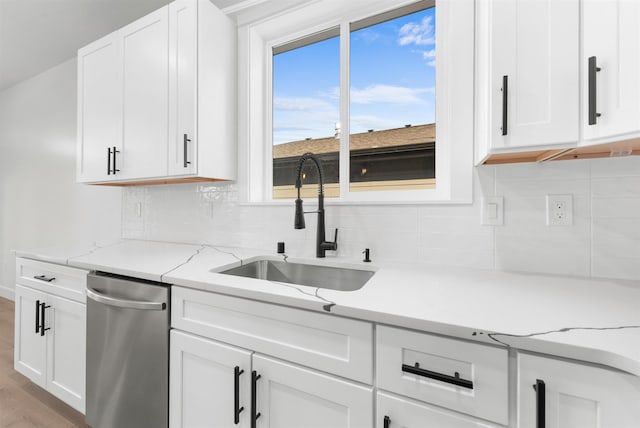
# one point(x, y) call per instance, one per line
point(22, 403)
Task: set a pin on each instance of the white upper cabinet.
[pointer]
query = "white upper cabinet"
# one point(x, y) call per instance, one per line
point(157, 99)
point(611, 38)
point(99, 107)
point(145, 50)
point(183, 57)
point(527, 69)
point(202, 91)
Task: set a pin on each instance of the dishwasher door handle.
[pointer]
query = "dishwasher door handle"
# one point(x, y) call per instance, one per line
point(127, 304)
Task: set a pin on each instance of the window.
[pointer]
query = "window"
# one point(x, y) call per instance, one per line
point(306, 112)
point(391, 114)
point(392, 101)
point(355, 83)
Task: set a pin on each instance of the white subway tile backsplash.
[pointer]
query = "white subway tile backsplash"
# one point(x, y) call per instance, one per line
point(604, 240)
point(619, 186)
point(615, 207)
point(616, 167)
point(555, 171)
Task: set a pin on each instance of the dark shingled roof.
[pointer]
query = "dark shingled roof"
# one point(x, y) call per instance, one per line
point(366, 140)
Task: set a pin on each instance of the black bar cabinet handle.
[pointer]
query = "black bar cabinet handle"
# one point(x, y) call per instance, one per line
point(454, 380)
point(539, 387)
point(38, 316)
point(108, 160)
point(254, 414)
point(236, 394)
point(593, 97)
point(186, 140)
point(505, 94)
point(45, 278)
point(42, 321)
point(387, 421)
point(114, 160)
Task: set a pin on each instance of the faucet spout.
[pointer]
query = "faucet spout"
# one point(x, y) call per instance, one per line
point(322, 245)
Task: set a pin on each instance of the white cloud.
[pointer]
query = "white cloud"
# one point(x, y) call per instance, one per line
point(421, 34)
point(379, 93)
point(301, 104)
point(430, 57)
point(305, 117)
point(368, 35)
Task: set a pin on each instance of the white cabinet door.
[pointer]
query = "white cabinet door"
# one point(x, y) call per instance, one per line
point(183, 29)
point(30, 346)
point(576, 395)
point(611, 34)
point(289, 396)
point(534, 53)
point(66, 345)
point(142, 151)
point(202, 378)
point(99, 107)
point(397, 412)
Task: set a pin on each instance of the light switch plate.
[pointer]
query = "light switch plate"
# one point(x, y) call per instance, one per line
point(493, 210)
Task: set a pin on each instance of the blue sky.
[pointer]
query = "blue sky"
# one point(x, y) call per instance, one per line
point(392, 80)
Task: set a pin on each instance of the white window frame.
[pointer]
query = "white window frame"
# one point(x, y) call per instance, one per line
point(454, 97)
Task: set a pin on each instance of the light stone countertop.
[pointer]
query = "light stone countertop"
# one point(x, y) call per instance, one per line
point(594, 320)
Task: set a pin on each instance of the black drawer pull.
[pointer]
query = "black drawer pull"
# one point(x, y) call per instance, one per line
point(254, 413)
point(236, 394)
point(505, 103)
point(108, 160)
point(185, 141)
point(42, 322)
point(114, 160)
point(38, 316)
point(454, 380)
point(540, 387)
point(45, 278)
point(593, 97)
point(387, 421)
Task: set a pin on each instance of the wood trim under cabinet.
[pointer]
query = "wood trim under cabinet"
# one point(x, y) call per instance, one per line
point(161, 181)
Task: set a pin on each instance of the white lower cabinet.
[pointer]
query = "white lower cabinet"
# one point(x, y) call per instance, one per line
point(213, 334)
point(399, 412)
point(290, 396)
point(50, 328)
point(560, 394)
point(30, 348)
point(54, 358)
point(219, 385)
point(465, 377)
point(203, 383)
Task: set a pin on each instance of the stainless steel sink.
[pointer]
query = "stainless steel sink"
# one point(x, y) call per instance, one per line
point(334, 278)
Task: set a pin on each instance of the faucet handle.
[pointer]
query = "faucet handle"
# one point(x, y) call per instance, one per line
point(332, 246)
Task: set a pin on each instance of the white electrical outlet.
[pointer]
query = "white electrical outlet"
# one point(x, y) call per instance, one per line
point(559, 210)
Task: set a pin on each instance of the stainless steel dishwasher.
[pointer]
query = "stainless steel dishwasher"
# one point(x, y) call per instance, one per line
point(127, 352)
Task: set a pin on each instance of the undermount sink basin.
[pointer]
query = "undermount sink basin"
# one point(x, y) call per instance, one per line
point(334, 278)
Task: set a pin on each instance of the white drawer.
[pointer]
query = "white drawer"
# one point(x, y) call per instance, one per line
point(406, 413)
point(323, 342)
point(63, 281)
point(480, 387)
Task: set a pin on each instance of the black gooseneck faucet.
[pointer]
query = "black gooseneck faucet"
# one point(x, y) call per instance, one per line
point(321, 244)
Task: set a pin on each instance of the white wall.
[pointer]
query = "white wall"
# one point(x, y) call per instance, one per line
point(604, 240)
point(40, 203)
